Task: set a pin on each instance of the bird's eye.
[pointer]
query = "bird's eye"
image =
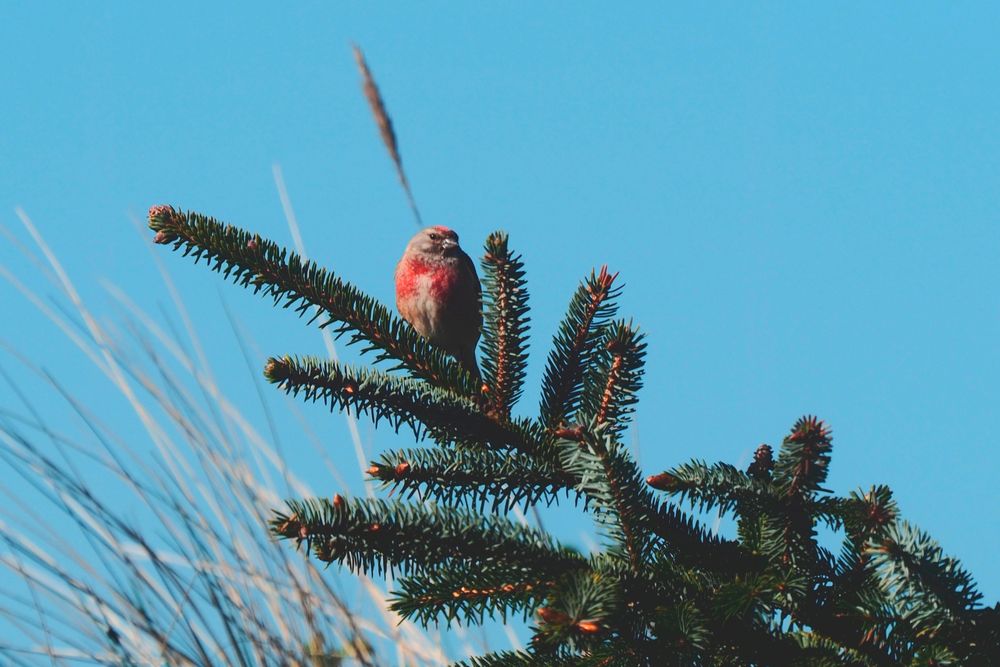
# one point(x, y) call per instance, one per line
point(435, 237)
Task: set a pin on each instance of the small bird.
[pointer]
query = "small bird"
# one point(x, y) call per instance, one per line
point(438, 293)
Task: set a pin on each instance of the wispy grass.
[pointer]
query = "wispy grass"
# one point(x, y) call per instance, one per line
point(127, 558)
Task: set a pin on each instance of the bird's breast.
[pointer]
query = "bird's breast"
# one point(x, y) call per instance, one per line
point(416, 277)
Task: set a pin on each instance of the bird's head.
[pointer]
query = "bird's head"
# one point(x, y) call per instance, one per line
point(438, 241)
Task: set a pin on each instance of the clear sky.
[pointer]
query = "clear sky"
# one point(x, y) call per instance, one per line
point(800, 199)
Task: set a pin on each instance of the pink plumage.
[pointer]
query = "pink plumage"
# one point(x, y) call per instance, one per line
point(438, 293)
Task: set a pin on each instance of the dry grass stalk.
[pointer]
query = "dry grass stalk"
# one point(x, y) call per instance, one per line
point(198, 580)
point(385, 128)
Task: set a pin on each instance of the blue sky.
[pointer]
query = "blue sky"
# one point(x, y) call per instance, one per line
point(800, 199)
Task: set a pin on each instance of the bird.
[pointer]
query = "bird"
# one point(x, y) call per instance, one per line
point(438, 293)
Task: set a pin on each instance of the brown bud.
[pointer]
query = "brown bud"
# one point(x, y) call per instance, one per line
point(160, 211)
point(375, 527)
point(252, 243)
point(664, 481)
point(374, 470)
point(588, 627)
point(402, 469)
point(615, 346)
point(289, 526)
point(350, 388)
point(163, 237)
point(273, 368)
point(552, 616)
point(303, 532)
point(569, 433)
point(338, 500)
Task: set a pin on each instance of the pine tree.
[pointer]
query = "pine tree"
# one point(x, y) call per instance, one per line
point(663, 589)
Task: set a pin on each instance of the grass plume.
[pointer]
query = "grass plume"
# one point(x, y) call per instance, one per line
point(385, 129)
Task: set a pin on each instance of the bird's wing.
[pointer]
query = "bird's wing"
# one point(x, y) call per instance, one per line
point(470, 267)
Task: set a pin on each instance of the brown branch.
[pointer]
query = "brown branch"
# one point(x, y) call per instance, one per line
point(466, 593)
point(609, 387)
point(501, 385)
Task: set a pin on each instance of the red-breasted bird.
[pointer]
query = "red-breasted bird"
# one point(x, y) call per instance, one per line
point(438, 293)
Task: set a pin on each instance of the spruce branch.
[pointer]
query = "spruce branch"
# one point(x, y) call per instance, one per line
point(523, 659)
point(374, 536)
point(682, 630)
point(869, 515)
point(615, 377)
point(933, 589)
point(609, 478)
point(692, 544)
point(804, 460)
point(443, 415)
point(487, 480)
point(467, 595)
point(719, 486)
point(262, 265)
point(799, 472)
point(590, 309)
point(580, 611)
point(504, 341)
point(665, 584)
point(845, 631)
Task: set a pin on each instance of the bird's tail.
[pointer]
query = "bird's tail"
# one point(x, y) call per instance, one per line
point(467, 357)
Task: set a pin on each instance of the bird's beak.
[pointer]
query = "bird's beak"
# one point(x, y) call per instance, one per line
point(448, 244)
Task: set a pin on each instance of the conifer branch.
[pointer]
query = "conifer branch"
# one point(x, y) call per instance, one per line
point(615, 377)
point(468, 596)
point(487, 480)
point(505, 325)
point(524, 659)
point(720, 486)
point(664, 585)
point(261, 265)
point(590, 309)
point(580, 612)
point(373, 536)
point(610, 479)
point(427, 410)
point(932, 588)
point(799, 472)
point(804, 460)
point(693, 544)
